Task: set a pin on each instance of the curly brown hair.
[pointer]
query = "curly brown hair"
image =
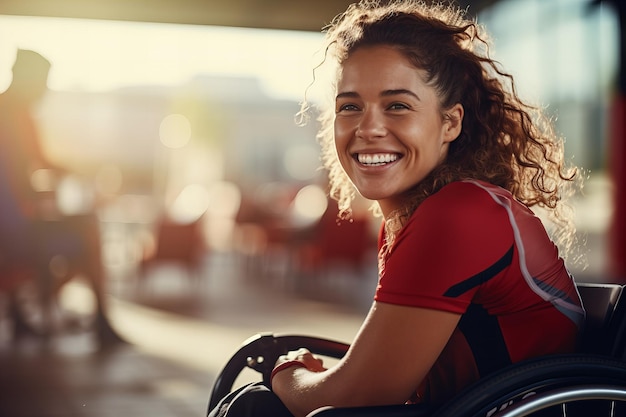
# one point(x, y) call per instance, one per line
point(503, 141)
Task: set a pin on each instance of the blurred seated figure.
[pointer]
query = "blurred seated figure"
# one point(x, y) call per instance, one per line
point(38, 243)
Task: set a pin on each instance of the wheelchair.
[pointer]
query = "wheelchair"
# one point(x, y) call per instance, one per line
point(589, 383)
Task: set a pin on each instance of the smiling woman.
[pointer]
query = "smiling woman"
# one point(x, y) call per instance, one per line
point(428, 126)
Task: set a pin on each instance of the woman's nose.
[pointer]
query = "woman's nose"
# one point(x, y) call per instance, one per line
point(371, 125)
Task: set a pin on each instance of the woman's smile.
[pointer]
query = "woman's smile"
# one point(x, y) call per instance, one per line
point(376, 159)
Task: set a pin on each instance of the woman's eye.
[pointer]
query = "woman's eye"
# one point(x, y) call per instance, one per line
point(347, 107)
point(398, 106)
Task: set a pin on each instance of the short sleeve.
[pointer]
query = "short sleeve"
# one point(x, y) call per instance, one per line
point(454, 236)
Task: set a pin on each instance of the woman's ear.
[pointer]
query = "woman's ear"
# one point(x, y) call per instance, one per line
point(453, 122)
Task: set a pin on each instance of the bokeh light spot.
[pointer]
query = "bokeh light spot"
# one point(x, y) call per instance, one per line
point(175, 131)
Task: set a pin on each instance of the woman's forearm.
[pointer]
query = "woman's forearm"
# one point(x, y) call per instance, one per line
point(302, 390)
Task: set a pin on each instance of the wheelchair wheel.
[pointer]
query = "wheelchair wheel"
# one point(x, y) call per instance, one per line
point(564, 386)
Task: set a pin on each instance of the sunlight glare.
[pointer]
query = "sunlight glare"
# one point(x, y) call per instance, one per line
point(94, 55)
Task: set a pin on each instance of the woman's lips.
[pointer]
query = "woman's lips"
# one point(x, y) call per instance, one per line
point(376, 159)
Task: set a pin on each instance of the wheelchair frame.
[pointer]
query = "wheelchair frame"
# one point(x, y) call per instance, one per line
point(581, 384)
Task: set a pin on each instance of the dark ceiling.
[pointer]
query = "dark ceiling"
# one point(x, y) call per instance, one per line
point(272, 14)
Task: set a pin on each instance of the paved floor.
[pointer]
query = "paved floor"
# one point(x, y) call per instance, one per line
point(179, 335)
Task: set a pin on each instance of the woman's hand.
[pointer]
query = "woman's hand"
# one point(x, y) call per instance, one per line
point(311, 362)
point(284, 376)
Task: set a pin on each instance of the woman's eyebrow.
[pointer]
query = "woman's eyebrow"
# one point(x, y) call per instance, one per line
point(399, 91)
point(385, 93)
point(347, 94)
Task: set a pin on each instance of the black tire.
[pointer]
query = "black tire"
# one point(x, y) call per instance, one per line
point(506, 391)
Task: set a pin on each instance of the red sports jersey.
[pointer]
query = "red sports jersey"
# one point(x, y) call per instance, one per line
point(472, 249)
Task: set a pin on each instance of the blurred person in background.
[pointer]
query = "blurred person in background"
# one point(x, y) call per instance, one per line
point(34, 233)
point(428, 126)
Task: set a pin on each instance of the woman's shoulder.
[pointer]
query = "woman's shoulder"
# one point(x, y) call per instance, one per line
point(471, 186)
point(467, 195)
point(469, 206)
point(463, 207)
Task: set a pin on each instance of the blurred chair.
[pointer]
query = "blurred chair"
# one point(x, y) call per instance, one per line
point(263, 231)
point(337, 243)
point(181, 244)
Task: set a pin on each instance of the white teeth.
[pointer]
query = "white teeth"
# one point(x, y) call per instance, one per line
point(377, 159)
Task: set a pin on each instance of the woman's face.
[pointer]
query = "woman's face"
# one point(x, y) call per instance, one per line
point(390, 131)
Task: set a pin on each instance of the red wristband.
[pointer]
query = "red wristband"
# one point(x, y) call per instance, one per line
point(285, 365)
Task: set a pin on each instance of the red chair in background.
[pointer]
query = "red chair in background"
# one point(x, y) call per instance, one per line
point(338, 243)
point(180, 244)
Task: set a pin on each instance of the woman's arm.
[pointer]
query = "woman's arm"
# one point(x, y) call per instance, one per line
point(390, 356)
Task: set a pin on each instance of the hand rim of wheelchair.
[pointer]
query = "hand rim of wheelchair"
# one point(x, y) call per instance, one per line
point(539, 402)
point(261, 351)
